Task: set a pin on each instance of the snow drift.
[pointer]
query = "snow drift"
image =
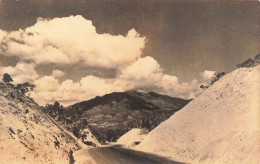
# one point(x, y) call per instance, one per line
point(220, 126)
point(29, 136)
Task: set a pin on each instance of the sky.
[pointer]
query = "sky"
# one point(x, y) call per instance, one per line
point(76, 50)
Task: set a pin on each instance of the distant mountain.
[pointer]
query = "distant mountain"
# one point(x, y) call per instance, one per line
point(110, 116)
point(27, 135)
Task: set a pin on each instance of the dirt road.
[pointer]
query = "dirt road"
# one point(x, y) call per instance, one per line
point(119, 155)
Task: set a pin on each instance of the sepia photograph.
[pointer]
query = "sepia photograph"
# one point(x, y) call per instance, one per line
point(129, 82)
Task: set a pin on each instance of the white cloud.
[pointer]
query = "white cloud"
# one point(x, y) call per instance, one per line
point(75, 40)
point(142, 74)
point(141, 69)
point(2, 34)
point(96, 86)
point(71, 40)
point(207, 76)
point(57, 73)
point(47, 83)
point(49, 90)
point(147, 73)
point(22, 72)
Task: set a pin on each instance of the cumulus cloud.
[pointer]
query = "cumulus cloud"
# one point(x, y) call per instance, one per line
point(22, 72)
point(142, 68)
point(47, 84)
point(71, 40)
point(145, 74)
point(207, 76)
point(74, 40)
point(57, 73)
point(2, 34)
point(68, 92)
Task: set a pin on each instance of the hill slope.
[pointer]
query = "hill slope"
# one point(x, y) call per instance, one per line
point(132, 138)
point(110, 116)
point(27, 135)
point(220, 126)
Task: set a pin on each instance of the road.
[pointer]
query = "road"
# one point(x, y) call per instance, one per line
point(119, 155)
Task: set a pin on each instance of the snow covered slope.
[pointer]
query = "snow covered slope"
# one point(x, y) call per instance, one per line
point(132, 138)
point(220, 126)
point(29, 136)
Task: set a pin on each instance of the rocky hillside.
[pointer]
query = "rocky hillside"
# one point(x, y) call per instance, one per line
point(27, 135)
point(222, 125)
point(112, 115)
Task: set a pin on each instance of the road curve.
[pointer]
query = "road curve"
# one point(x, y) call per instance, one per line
point(119, 155)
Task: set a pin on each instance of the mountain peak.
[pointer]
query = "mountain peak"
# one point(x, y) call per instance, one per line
point(110, 116)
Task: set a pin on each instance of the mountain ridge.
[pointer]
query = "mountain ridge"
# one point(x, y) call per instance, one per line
point(110, 116)
point(107, 98)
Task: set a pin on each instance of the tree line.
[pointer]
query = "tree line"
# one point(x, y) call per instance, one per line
point(20, 88)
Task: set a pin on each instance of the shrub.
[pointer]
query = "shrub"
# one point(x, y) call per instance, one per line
point(249, 63)
point(7, 78)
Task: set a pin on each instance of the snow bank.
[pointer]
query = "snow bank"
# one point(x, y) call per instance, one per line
point(132, 138)
point(220, 126)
